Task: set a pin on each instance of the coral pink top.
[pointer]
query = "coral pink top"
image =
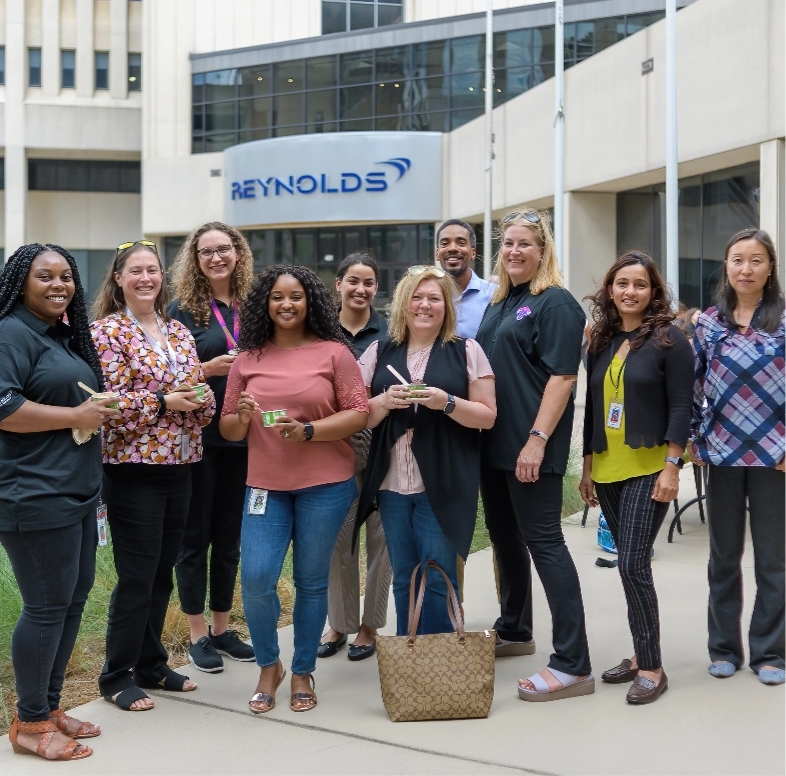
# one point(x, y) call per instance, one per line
point(310, 383)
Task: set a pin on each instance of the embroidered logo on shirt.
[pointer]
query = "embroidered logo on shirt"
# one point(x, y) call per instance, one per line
point(522, 312)
point(6, 398)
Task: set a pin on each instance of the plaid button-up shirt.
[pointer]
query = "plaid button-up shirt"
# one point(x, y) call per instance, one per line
point(738, 404)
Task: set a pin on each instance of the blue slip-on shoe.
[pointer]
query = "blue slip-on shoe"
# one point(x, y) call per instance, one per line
point(771, 676)
point(722, 669)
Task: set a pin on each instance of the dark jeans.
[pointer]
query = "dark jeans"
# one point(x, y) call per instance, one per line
point(727, 490)
point(634, 520)
point(218, 487)
point(147, 511)
point(54, 569)
point(524, 519)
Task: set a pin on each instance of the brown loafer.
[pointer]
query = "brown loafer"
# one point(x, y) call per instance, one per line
point(620, 674)
point(644, 690)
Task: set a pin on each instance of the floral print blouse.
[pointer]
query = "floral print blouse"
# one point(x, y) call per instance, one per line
point(134, 369)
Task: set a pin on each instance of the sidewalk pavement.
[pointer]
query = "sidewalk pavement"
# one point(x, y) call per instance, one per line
point(700, 726)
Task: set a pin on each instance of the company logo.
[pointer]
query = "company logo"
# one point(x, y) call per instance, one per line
point(523, 312)
point(321, 183)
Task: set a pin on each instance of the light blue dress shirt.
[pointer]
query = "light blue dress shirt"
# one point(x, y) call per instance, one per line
point(471, 304)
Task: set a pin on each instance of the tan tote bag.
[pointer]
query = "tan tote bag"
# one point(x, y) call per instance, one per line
point(440, 675)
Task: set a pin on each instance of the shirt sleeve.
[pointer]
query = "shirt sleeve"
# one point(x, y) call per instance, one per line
point(699, 373)
point(558, 339)
point(368, 363)
point(589, 409)
point(679, 388)
point(236, 382)
point(15, 370)
point(203, 415)
point(348, 383)
point(477, 363)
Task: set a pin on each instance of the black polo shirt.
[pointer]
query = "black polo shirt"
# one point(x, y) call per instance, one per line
point(211, 342)
point(46, 479)
point(375, 329)
point(527, 340)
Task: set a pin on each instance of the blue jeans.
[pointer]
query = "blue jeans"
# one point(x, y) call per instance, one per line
point(309, 518)
point(414, 535)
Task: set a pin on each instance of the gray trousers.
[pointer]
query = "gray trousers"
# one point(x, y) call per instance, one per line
point(727, 490)
point(344, 582)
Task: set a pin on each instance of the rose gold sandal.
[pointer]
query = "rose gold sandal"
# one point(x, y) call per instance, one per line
point(263, 697)
point(73, 727)
point(71, 751)
point(308, 699)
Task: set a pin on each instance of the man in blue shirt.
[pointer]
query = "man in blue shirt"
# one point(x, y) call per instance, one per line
point(456, 243)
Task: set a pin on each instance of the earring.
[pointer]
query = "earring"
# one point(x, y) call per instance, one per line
point(769, 281)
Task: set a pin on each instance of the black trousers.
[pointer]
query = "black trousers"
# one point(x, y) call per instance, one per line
point(634, 520)
point(728, 488)
point(147, 509)
point(55, 570)
point(215, 516)
point(524, 519)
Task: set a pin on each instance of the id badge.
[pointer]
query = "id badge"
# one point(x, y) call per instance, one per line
point(257, 501)
point(185, 445)
point(614, 419)
point(101, 523)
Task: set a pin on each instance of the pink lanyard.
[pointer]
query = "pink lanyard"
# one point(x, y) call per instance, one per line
point(231, 341)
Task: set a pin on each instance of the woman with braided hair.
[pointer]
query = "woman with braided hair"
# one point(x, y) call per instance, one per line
point(301, 465)
point(50, 485)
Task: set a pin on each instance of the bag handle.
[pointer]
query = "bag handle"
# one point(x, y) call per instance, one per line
point(415, 607)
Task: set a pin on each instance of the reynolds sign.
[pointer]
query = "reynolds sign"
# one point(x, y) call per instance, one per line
point(349, 176)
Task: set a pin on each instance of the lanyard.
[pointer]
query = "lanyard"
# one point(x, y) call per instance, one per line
point(231, 340)
point(169, 355)
point(619, 375)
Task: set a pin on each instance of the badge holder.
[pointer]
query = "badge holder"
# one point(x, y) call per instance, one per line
point(101, 523)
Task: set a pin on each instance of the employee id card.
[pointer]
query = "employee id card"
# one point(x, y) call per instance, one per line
point(101, 524)
point(614, 420)
point(257, 501)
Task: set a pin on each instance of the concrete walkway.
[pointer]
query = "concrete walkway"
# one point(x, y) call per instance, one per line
point(700, 726)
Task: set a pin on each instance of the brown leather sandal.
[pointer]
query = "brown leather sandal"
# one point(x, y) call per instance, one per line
point(308, 698)
point(263, 697)
point(73, 727)
point(71, 751)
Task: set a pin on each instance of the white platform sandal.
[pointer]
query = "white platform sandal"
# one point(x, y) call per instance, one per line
point(572, 687)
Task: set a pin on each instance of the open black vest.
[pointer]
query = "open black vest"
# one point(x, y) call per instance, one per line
point(447, 453)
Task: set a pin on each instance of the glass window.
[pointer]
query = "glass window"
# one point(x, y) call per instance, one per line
point(197, 145)
point(432, 58)
point(513, 82)
point(103, 176)
point(320, 127)
point(467, 54)
point(254, 81)
point(220, 85)
point(2, 65)
point(83, 175)
point(608, 32)
point(512, 49)
point(102, 69)
point(220, 116)
point(321, 106)
point(357, 68)
point(134, 72)
point(543, 44)
point(197, 118)
point(460, 117)
point(361, 15)
point(68, 69)
point(72, 176)
point(305, 247)
point(542, 73)
point(389, 14)
point(288, 77)
point(638, 22)
point(198, 87)
point(288, 109)
point(585, 39)
point(432, 122)
point(334, 17)
point(690, 241)
point(34, 67)
point(130, 177)
point(393, 64)
point(321, 72)
point(215, 143)
point(430, 94)
point(356, 102)
point(390, 97)
point(286, 131)
point(253, 114)
point(255, 134)
point(361, 125)
point(466, 91)
point(283, 246)
point(398, 123)
point(570, 41)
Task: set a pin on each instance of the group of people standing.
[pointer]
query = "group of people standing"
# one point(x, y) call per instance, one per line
point(292, 421)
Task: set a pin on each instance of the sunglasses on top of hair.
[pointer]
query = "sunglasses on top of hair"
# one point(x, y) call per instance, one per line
point(419, 269)
point(527, 215)
point(147, 243)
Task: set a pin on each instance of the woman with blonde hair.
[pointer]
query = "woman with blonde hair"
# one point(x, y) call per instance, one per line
point(210, 280)
point(532, 334)
point(424, 462)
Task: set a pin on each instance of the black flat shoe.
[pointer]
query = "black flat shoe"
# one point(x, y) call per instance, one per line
point(360, 651)
point(329, 648)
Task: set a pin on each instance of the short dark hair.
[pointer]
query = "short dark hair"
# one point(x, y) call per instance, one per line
point(473, 239)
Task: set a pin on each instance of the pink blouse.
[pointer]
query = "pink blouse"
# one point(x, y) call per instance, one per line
point(310, 383)
point(135, 370)
point(404, 475)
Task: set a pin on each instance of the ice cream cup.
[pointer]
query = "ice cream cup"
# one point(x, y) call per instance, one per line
point(416, 389)
point(269, 417)
point(107, 395)
point(200, 389)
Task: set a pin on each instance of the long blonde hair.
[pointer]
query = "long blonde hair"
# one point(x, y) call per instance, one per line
point(548, 273)
point(191, 287)
point(405, 290)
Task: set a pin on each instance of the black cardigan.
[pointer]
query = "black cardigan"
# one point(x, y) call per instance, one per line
point(658, 393)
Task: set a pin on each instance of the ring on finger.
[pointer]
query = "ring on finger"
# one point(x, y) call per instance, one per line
point(286, 434)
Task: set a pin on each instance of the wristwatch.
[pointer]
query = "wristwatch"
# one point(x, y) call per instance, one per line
point(161, 396)
point(451, 405)
point(678, 462)
point(308, 430)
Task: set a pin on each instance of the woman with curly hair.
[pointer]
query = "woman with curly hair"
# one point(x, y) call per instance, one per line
point(636, 426)
point(293, 359)
point(50, 484)
point(210, 281)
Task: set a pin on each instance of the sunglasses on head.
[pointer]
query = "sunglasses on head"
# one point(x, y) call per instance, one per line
point(419, 269)
point(146, 243)
point(527, 215)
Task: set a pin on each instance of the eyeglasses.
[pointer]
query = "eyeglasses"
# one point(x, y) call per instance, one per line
point(223, 251)
point(146, 243)
point(419, 269)
point(527, 215)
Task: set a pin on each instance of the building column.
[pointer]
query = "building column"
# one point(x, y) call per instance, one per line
point(118, 51)
point(15, 158)
point(590, 240)
point(50, 48)
point(772, 166)
point(85, 48)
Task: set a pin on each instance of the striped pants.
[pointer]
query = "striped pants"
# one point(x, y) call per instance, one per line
point(634, 519)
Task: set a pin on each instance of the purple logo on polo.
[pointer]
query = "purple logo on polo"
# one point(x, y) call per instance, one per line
point(522, 312)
